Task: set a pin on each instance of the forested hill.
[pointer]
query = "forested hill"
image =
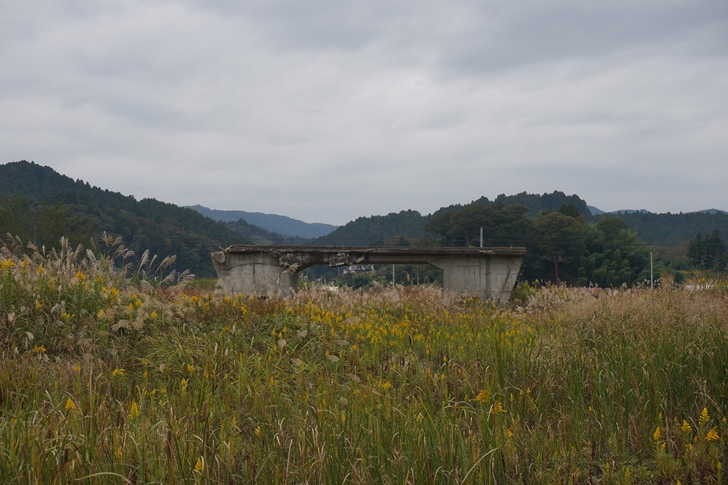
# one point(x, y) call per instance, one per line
point(675, 229)
point(408, 227)
point(390, 230)
point(40, 205)
point(535, 203)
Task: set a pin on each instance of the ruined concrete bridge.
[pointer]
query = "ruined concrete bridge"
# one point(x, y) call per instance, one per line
point(489, 273)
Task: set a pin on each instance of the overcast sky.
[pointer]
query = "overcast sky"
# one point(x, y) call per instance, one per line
point(328, 110)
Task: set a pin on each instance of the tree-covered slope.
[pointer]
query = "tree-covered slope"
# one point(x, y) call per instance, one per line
point(392, 229)
point(40, 205)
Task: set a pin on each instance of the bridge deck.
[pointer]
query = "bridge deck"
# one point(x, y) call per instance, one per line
point(393, 250)
point(487, 272)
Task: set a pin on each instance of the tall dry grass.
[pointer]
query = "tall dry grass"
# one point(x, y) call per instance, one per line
point(108, 375)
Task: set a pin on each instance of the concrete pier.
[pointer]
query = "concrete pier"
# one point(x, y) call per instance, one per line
point(489, 273)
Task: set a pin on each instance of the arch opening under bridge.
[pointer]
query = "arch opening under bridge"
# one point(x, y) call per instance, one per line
point(489, 273)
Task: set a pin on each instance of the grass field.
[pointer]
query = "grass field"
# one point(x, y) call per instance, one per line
point(111, 376)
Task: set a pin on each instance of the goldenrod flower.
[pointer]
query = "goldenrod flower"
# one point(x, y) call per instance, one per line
point(39, 349)
point(657, 435)
point(80, 276)
point(200, 465)
point(704, 417)
point(686, 428)
point(257, 431)
point(712, 435)
point(134, 409)
point(482, 396)
point(70, 405)
point(118, 372)
point(498, 408)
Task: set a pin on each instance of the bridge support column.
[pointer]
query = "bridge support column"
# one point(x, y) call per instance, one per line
point(256, 274)
point(486, 277)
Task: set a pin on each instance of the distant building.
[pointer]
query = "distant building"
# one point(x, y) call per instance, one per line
point(359, 268)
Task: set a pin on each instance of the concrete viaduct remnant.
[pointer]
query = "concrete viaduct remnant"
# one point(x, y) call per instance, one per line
point(273, 270)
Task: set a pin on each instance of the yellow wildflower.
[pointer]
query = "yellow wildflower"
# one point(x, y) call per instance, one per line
point(134, 409)
point(118, 452)
point(77, 368)
point(101, 313)
point(39, 349)
point(80, 276)
point(70, 405)
point(712, 435)
point(257, 431)
point(153, 314)
point(200, 465)
point(498, 408)
point(118, 372)
point(657, 435)
point(190, 368)
point(704, 417)
point(482, 396)
point(183, 383)
point(686, 427)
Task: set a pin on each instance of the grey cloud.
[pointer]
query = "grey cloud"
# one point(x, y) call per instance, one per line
point(353, 108)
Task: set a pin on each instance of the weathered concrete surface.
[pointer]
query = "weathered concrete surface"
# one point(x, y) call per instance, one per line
point(273, 270)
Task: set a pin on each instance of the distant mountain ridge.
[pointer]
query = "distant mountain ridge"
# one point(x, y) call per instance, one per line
point(283, 225)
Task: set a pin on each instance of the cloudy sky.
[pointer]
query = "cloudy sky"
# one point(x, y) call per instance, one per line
point(328, 110)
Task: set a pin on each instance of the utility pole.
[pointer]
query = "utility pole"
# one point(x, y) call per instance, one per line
point(652, 283)
point(481, 237)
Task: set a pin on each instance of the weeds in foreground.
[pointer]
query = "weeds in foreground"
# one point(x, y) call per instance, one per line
point(108, 378)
